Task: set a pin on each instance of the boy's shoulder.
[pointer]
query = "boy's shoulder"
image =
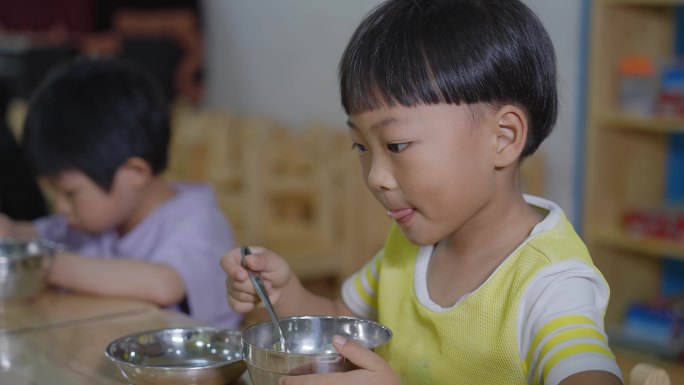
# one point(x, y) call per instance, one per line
point(554, 239)
point(191, 200)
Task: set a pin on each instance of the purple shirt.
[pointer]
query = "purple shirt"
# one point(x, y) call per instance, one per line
point(188, 232)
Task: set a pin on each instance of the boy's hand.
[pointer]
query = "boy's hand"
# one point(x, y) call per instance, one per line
point(373, 369)
point(274, 271)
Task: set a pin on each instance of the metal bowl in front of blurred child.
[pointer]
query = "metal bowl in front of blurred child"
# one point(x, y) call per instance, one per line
point(175, 356)
point(24, 266)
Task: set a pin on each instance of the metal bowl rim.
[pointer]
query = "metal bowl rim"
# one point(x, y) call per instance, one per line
point(118, 361)
point(345, 318)
point(52, 246)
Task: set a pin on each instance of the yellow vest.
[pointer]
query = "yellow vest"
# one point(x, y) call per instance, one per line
point(476, 341)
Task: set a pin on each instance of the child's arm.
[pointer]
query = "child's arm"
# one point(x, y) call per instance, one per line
point(156, 283)
point(592, 378)
point(16, 229)
point(121, 277)
point(561, 332)
point(285, 290)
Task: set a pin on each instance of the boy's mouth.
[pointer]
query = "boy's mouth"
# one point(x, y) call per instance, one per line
point(400, 215)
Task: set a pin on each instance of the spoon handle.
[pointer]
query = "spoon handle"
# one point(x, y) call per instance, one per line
point(263, 296)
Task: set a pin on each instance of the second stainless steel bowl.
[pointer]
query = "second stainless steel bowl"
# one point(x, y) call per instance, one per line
point(309, 346)
point(174, 356)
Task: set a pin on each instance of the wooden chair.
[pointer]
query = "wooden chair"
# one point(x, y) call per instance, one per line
point(298, 191)
point(648, 374)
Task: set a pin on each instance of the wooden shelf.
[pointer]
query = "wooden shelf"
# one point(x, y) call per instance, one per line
point(626, 155)
point(652, 247)
point(647, 3)
point(659, 125)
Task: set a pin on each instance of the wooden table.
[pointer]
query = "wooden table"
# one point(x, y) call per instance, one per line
point(60, 338)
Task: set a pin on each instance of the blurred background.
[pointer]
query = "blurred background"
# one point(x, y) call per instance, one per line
point(244, 76)
point(276, 59)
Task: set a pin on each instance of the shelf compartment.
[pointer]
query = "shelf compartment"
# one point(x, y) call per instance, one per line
point(648, 246)
point(656, 125)
point(625, 169)
point(646, 3)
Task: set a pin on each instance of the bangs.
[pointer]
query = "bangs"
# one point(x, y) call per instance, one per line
point(412, 57)
point(425, 52)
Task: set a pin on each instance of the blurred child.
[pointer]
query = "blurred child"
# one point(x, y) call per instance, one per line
point(479, 283)
point(98, 129)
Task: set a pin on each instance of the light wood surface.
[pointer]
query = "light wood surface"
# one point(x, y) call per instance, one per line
point(59, 339)
point(647, 374)
point(54, 308)
point(630, 359)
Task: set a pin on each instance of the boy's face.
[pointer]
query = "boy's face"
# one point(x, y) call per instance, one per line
point(430, 166)
point(87, 206)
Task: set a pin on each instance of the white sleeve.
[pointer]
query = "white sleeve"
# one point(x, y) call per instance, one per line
point(359, 291)
point(560, 324)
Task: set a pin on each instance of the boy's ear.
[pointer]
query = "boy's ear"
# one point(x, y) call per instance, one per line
point(136, 171)
point(511, 135)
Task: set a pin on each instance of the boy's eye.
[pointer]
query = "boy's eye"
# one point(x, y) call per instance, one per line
point(360, 148)
point(397, 147)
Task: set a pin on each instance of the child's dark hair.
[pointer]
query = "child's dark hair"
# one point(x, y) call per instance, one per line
point(412, 52)
point(93, 114)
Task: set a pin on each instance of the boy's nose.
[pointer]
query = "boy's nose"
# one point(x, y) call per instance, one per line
point(380, 176)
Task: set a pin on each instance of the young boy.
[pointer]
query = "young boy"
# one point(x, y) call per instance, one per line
point(98, 129)
point(479, 283)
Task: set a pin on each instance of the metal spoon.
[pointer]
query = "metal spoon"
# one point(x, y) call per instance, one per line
point(263, 296)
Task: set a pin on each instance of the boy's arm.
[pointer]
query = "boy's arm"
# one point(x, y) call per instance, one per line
point(16, 229)
point(562, 316)
point(156, 283)
point(305, 302)
point(593, 377)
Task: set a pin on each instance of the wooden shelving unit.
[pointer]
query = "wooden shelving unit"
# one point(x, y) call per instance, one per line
point(648, 247)
point(626, 156)
point(626, 164)
point(656, 125)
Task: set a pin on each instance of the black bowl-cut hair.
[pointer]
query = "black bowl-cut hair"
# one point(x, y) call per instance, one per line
point(413, 52)
point(91, 115)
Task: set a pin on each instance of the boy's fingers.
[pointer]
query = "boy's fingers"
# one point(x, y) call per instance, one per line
point(236, 274)
point(358, 354)
point(256, 262)
point(232, 258)
point(314, 379)
point(241, 307)
point(262, 260)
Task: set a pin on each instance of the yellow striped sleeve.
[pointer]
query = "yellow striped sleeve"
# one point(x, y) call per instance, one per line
point(572, 350)
point(562, 338)
point(366, 282)
point(361, 291)
point(556, 324)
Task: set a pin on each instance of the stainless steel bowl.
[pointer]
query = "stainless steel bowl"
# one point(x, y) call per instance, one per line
point(174, 356)
point(309, 347)
point(24, 265)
